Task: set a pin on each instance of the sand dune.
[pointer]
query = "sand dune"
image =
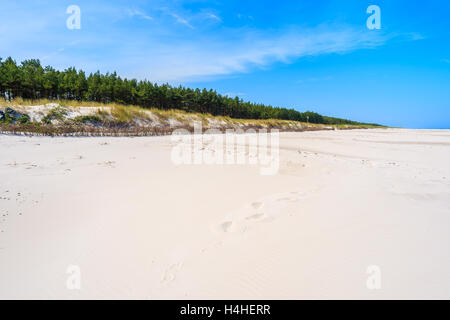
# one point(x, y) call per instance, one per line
point(135, 225)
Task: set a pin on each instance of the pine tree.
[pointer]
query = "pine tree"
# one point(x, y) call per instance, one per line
point(30, 80)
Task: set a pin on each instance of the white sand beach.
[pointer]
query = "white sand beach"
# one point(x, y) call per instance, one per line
point(138, 226)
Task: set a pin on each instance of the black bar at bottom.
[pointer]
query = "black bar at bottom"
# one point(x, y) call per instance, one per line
point(227, 309)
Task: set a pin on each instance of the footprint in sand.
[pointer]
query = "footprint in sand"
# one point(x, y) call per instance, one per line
point(257, 216)
point(110, 164)
point(257, 205)
point(226, 226)
point(287, 199)
point(263, 210)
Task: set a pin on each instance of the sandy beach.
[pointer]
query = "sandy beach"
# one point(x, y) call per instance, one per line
point(136, 225)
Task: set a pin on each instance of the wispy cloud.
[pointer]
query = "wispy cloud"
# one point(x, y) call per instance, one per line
point(213, 17)
point(179, 45)
point(252, 49)
point(180, 19)
point(134, 12)
point(241, 16)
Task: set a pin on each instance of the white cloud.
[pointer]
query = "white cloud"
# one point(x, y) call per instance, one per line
point(134, 12)
point(185, 61)
point(165, 50)
point(181, 20)
point(214, 17)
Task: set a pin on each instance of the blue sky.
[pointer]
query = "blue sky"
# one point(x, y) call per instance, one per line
point(302, 54)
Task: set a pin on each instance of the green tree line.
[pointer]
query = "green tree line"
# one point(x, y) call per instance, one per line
point(30, 80)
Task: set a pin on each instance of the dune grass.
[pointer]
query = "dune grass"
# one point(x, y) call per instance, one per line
point(133, 119)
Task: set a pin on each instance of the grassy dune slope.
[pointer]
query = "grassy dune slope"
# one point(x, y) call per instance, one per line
point(50, 117)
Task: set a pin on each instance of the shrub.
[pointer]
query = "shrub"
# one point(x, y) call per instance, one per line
point(56, 113)
point(89, 119)
point(24, 119)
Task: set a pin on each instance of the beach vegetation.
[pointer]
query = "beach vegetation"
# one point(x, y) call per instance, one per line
point(29, 80)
